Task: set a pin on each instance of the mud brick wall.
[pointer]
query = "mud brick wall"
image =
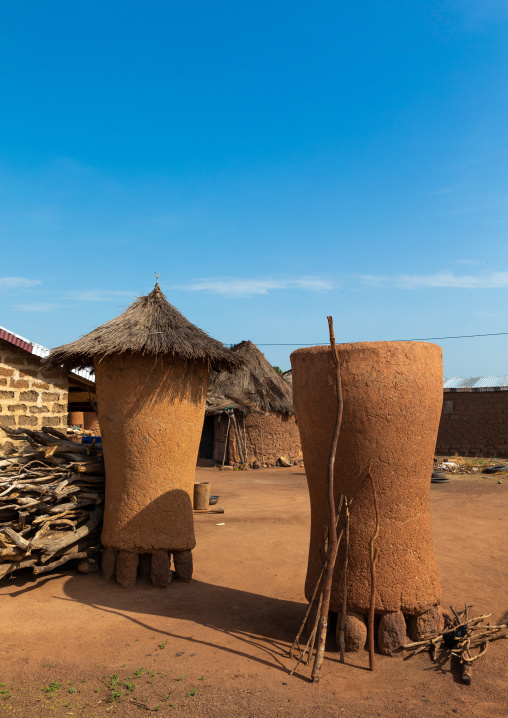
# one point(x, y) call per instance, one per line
point(474, 423)
point(30, 398)
point(279, 433)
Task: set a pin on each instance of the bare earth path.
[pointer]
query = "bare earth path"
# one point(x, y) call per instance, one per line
point(218, 646)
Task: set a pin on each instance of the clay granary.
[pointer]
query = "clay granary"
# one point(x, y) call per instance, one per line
point(152, 368)
point(249, 414)
point(392, 398)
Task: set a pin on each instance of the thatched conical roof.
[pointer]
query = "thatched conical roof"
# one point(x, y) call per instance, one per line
point(257, 387)
point(151, 325)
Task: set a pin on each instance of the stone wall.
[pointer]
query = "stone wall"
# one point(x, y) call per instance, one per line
point(277, 432)
point(474, 423)
point(30, 398)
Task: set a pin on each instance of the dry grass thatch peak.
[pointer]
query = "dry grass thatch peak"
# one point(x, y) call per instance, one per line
point(256, 387)
point(150, 325)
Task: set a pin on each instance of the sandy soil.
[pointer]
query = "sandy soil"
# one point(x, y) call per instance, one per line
point(218, 646)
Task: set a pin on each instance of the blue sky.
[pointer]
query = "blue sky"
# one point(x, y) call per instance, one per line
point(274, 162)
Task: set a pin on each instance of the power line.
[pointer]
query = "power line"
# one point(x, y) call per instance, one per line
point(426, 339)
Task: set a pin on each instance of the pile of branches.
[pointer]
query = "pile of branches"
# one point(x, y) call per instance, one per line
point(51, 500)
point(461, 637)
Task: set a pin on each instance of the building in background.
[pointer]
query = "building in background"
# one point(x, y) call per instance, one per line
point(249, 414)
point(474, 420)
point(31, 398)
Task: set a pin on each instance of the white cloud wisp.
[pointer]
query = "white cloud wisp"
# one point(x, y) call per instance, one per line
point(491, 280)
point(7, 283)
point(236, 287)
point(37, 307)
point(98, 295)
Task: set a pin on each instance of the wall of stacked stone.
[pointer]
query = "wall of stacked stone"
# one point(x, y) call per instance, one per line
point(278, 434)
point(29, 397)
point(474, 423)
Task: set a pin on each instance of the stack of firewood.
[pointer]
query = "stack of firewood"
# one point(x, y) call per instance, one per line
point(51, 500)
point(460, 637)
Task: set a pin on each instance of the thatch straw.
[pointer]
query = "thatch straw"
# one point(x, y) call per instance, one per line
point(257, 387)
point(151, 325)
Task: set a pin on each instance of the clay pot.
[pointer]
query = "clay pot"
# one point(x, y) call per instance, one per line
point(76, 418)
point(201, 495)
point(92, 423)
point(392, 393)
point(151, 415)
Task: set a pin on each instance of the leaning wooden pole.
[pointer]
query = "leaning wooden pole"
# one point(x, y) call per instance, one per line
point(342, 642)
point(226, 443)
point(332, 528)
point(373, 559)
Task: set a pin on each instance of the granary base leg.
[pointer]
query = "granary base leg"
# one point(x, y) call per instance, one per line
point(161, 569)
point(355, 632)
point(429, 622)
point(183, 565)
point(127, 568)
point(108, 563)
point(392, 633)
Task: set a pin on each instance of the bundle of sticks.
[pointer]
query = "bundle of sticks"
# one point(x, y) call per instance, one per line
point(51, 500)
point(461, 636)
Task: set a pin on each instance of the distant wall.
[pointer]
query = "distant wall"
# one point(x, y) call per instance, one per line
point(268, 436)
point(474, 423)
point(30, 398)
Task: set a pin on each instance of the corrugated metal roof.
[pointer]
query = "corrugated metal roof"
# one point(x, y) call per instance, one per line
point(15, 339)
point(38, 350)
point(476, 382)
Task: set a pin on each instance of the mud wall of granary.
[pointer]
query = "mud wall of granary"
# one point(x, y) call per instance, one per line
point(267, 437)
point(29, 397)
point(474, 423)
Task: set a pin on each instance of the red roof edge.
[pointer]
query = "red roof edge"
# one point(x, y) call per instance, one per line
point(12, 339)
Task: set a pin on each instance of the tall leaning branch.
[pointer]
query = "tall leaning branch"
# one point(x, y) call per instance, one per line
point(332, 528)
point(373, 560)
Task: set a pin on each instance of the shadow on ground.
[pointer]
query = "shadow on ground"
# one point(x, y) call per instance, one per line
point(260, 623)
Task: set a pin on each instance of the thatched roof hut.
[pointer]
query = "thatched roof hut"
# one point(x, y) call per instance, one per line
point(257, 387)
point(150, 326)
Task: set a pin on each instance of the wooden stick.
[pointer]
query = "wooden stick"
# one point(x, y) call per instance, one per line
point(7, 568)
point(466, 673)
point(309, 647)
point(218, 510)
point(332, 528)
point(318, 582)
point(452, 630)
point(312, 636)
point(55, 433)
point(261, 437)
point(238, 442)
point(373, 559)
point(226, 443)
point(342, 642)
point(52, 547)
point(18, 540)
point(50, 566)
point(455, 614)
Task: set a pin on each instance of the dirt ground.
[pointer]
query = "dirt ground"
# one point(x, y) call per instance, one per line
point(74, 645)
